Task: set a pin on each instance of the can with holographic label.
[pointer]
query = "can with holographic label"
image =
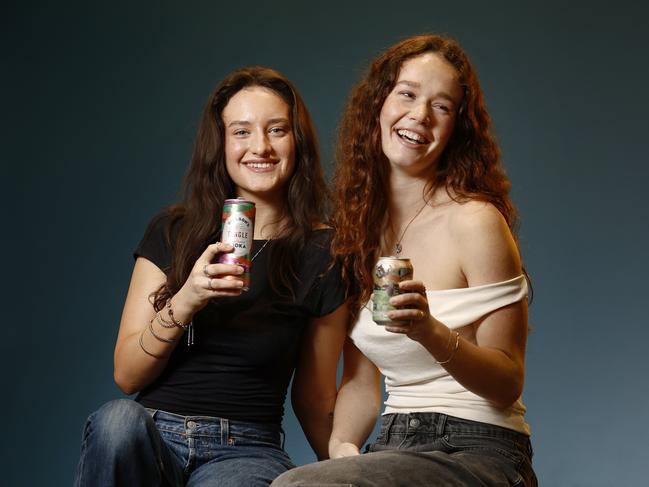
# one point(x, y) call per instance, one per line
point(237, 229)
point(388, 273)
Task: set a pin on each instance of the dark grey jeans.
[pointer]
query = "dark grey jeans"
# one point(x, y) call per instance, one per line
point(427, 449)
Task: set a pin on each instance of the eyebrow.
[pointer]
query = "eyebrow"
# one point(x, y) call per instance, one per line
point(414, 84)
point(247, 123)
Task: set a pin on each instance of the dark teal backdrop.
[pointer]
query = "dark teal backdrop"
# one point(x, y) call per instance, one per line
point(100, 105)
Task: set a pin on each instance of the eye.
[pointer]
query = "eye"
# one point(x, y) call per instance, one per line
point(240, 132)
point(407, 94)
point(442, 107)
point(278, 130)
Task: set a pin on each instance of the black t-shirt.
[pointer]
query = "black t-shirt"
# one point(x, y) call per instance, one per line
point(245, 347)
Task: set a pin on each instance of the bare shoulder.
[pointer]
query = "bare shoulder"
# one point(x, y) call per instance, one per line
point(475, 215)
point(488, 252)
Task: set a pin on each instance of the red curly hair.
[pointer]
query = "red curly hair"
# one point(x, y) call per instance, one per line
point(469, 167)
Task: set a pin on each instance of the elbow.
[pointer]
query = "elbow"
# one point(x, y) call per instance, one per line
point(504, 402)
point(305, 404)
point(509, 395)
point(124, 385)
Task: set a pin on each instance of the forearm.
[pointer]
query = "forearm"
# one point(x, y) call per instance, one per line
point(486, 357)
point(485, 371)
point(316, 419)
point(357, 408)
point(314, 387)
point(146, 339)
point(141, 356)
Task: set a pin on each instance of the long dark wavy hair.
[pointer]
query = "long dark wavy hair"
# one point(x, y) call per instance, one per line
point(195, 222)
point(469, 167)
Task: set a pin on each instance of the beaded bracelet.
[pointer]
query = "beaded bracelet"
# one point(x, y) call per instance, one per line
point(162, 322)
point(187, 327)
point(457, 345)
point(175, 322)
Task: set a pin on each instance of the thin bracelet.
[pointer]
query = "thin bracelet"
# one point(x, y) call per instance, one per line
point(189, 328)
point(158, 337)
point(159, 357)
point(457, 345)
point(179, 324)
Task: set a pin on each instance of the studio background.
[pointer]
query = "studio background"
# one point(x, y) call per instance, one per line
point(101, 102)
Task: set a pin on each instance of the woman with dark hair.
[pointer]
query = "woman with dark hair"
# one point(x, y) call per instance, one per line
point(210, 362)
point(419, 176)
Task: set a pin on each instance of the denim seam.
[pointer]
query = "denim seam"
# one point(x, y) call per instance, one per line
point(405, 437)
point(84, 441)
point(441, 425)
point(388, 428)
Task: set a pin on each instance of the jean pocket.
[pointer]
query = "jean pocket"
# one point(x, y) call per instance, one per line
point(254, 440)
point(485, 445)
point(248, 436)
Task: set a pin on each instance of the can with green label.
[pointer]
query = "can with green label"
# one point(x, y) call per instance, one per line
point(388, 273)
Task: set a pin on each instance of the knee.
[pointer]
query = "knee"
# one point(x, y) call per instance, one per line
point(118, 424)
point(302, 476)
point(287, 479)
point(340, 472)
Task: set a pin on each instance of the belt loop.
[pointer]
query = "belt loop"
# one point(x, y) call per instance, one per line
point(441, 424)
point(225, 431)
point(152, 412)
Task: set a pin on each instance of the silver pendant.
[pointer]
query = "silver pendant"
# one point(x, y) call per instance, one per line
point(397, 248)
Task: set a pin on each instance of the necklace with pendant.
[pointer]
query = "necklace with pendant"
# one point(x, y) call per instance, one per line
point(397, 247)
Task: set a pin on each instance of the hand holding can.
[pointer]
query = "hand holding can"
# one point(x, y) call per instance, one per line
point(237, 229)
point(388, 273)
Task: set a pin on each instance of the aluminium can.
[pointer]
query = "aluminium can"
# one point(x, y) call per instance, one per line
point(237, 229)
point(388, 273)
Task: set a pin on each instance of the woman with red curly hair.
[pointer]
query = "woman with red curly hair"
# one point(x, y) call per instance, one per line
point(419, 176)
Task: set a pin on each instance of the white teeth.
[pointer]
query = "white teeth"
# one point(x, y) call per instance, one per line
point(260, 165)
point(411, 136)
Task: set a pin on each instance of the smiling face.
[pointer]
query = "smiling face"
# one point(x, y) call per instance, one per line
point(418, 115)
point(259, 142)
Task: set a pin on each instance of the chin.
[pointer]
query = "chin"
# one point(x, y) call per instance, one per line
point(409, 163)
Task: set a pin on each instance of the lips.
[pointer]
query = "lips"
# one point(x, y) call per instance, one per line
point(412, 137)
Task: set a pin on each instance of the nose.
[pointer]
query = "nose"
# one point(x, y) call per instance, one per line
point(260, 145)
point(420, 113)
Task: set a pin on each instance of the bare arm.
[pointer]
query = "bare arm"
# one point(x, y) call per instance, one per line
point(314, 386)
point(358, 404)
point(141, 332)
point(489, 357)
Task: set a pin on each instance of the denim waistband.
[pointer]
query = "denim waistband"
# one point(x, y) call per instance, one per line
point(441, 424)
point(210, 426)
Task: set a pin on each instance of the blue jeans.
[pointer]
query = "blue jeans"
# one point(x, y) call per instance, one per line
point(125, 444)
point(427, 449)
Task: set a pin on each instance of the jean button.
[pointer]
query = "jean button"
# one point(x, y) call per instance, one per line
point(414, 422)
point(191, 425)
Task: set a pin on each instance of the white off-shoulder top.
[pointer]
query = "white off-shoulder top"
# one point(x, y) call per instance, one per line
point(414, 382)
